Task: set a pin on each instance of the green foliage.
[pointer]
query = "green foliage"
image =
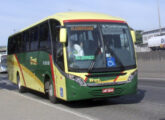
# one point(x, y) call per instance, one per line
point(138, 37)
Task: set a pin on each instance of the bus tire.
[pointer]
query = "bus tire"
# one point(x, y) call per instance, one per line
point(21, 89)
point(52, 98)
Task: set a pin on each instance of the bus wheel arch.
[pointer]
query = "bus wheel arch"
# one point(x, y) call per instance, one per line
point(49, 88)
point(46, 84)
point(17, 77)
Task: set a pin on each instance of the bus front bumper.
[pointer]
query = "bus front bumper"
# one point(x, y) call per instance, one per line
point(76, 92)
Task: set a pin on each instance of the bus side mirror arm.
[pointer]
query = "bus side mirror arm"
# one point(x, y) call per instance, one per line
point(63, 35)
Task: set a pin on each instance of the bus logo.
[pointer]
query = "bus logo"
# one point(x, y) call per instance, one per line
point(95, 80)
point(33, 61)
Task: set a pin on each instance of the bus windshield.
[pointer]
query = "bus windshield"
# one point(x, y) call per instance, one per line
point(99, 47)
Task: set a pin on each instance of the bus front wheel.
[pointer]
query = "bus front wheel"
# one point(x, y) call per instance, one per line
point(52, 98)
point(21, 89)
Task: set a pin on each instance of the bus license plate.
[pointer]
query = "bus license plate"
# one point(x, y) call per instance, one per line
point(108, 90)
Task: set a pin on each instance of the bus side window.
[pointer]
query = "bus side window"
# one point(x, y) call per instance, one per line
point(10, 46)
point(16, 44)
point(19, 43)
point(34, 39)
point(45, 42)
point(23, 43)
point(26, 41)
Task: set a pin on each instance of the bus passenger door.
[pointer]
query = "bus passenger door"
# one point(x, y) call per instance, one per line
point(58, 60)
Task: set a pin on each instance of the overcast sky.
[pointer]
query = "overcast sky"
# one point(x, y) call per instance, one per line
point(17, 14)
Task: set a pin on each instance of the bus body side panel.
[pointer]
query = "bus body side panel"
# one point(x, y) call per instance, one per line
point(34, 78)
point(13, 68)
point(29, 65)
point(30, 78)
point(60, 82)
point(46, 67)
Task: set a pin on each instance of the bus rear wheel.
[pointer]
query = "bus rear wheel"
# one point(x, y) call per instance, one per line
point(21, 89)
point(52, 98)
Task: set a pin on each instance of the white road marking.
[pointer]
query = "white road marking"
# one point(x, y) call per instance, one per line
point(55, 106)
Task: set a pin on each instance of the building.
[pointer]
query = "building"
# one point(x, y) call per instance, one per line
point(3, 63)
point(3, 50)
point(151, 33)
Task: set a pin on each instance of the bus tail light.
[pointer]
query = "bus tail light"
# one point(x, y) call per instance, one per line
point(131, 77)
point(77, 79)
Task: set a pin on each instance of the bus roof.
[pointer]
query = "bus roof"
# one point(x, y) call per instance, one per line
point(71, 16)
point(83, 15)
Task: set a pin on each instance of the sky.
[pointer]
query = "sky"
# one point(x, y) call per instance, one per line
point(18, 14)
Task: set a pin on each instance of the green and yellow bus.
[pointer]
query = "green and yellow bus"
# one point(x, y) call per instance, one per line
point(74, 56)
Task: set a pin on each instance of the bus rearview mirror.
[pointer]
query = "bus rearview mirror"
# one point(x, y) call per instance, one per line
point(63, 35)
point(133, 34)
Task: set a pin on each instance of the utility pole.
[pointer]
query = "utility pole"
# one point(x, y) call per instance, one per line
point(159, 17)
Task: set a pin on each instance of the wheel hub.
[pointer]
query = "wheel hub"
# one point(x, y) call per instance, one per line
point(50, 90)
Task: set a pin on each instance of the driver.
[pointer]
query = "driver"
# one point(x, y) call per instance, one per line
point(78, 49)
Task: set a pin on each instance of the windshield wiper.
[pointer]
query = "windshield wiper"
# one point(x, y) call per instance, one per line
point(92, 64)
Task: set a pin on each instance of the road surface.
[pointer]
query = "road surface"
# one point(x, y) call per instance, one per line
point(147, 104)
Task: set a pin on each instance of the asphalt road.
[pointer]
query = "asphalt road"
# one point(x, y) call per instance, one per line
point(147, 104)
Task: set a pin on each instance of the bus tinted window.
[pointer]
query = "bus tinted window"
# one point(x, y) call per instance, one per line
point(45, 42)
point(55, 30)
point(23, 44)
point(14, 44)
point(18, 43)
point(10, 46)
point(26, 39)
point(34, 39)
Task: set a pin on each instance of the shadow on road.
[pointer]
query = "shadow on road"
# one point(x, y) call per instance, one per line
point(129, 99)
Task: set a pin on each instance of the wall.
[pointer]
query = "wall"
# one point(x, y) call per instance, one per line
point(141, 48)
point(151, 64)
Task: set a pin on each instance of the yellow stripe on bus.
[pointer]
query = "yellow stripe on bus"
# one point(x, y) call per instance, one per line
point(31, 79)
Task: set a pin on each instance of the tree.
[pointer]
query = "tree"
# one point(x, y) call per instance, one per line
point(139, 37)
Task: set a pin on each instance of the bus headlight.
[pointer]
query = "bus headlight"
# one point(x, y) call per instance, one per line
point(131, 77)
point(77, 79)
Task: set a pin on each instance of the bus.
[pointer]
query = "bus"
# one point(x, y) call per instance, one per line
point(74, 56)
point(3, 64)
